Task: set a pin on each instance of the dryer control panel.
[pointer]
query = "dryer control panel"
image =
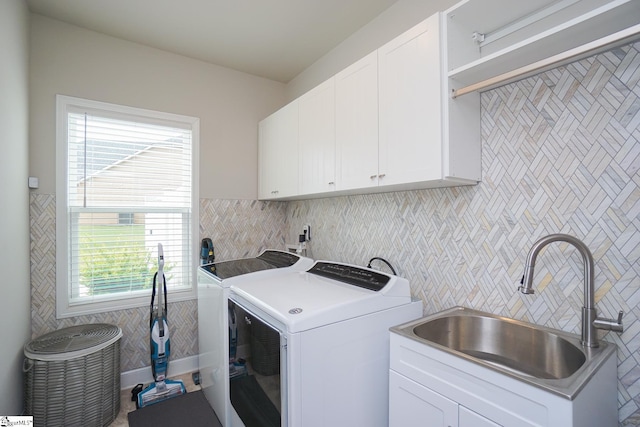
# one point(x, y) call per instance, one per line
point(355, 276)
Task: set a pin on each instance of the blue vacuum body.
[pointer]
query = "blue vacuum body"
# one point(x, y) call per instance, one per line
point(160, 345)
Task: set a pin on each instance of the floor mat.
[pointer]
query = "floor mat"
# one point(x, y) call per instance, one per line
point(252, 404)
point(191, 409)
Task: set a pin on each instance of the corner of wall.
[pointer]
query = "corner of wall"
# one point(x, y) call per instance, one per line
point(14, 227)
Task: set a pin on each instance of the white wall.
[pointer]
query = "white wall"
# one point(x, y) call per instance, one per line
point(14, 224)
point(73, 61)
point(394, 21)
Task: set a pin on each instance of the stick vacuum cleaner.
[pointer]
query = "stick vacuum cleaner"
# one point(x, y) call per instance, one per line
point(163, 388)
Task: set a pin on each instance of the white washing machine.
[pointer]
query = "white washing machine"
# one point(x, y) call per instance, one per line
point(330, 326)
point(214, 281)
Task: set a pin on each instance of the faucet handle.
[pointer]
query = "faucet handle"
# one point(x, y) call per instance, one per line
point(610, 324)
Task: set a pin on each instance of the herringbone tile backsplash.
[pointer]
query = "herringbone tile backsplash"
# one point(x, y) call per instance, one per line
point(561, 153)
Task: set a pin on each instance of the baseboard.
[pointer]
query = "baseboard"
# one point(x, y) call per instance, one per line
point(185, 365)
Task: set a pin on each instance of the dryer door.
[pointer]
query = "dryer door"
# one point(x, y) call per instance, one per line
point(257, 380)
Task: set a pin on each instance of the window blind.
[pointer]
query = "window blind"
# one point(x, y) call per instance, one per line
point(129, 187)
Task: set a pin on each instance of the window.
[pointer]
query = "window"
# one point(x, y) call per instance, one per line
point(126, 181)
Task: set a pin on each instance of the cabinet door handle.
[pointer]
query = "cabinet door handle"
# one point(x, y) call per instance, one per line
point(331, 183)
point(382, 175)
point(373, 176)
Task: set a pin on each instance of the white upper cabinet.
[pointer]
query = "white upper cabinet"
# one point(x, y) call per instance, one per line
point(410, 121)
point(427, 139)
point(317, 139)
point(357, 125)
point(278, 154)
point(385, 123)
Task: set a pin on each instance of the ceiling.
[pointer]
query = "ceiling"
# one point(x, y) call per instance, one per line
point(275, 39)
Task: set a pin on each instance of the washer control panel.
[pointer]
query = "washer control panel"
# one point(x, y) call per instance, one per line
point(355, 276)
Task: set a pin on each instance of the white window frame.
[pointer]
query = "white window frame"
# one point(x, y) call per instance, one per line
point(64, 307)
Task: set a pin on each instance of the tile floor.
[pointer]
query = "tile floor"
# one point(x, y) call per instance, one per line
point(126, 405)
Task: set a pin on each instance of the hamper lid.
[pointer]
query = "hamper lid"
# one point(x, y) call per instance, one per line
point(72, 342)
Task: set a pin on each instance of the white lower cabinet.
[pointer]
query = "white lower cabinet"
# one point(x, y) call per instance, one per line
point(414, 405)
point(468, 418)
point(430, 387)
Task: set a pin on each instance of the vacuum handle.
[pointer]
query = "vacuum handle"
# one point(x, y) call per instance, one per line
point(161, 308)
point(160, 279)
point(162, 289)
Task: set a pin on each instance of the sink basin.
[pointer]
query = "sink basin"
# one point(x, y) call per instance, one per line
point(523, 348)
point(548, 358)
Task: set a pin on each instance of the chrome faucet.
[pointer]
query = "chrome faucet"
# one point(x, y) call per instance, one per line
point(590, 319)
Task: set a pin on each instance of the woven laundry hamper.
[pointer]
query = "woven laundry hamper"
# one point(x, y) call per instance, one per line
point(72, 376)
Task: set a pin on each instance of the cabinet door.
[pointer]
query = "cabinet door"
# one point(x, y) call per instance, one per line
point(278, 153)
point(469, 418)
point(317, 139)
point(357, 124)
point(413, 405)
point(410, 106)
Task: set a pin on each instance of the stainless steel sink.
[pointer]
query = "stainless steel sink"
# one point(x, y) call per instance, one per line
point(520, 347)
point(548, 358)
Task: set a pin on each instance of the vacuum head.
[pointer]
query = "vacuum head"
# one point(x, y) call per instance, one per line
point(159, 392)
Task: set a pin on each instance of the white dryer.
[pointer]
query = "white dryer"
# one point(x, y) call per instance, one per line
point(331, 324)
point(214, 281)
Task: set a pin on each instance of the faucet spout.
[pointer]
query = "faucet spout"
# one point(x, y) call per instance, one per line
point(590, 321)
point(587, 259)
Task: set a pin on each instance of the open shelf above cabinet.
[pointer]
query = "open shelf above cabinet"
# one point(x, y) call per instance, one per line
point(492, 37)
